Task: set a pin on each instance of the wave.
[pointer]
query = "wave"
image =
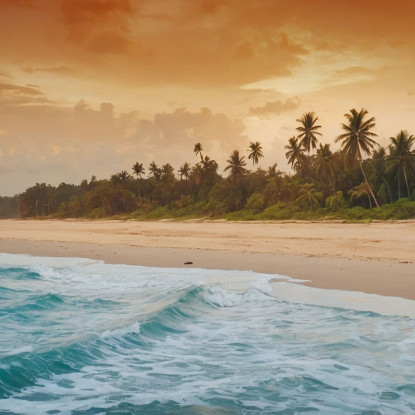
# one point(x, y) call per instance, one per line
point(19, 273)
point(43, 302)
point(25, 366)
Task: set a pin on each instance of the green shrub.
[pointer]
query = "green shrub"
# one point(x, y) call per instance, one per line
point(279, 211)
point(255, 202)
point(161, 212)
point(336, 201)
point(98, 213)
point(245, 214)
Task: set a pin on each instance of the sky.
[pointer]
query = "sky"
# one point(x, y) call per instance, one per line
point(89, 87)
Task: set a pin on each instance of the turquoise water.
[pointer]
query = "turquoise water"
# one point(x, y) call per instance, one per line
point(81, 337)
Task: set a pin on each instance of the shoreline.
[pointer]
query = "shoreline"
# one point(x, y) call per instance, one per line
point(375, 258)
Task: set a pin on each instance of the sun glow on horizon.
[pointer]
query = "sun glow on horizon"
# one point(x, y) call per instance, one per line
point(256, 66)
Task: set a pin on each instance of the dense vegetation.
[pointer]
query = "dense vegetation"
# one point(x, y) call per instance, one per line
point(359, 181)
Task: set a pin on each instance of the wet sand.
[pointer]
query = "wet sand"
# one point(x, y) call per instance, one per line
point(377, 258)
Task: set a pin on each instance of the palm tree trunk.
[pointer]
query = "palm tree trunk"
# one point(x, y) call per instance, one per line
point(367, 182)
point(399, 186)
point(389, 190)
point(406, 181)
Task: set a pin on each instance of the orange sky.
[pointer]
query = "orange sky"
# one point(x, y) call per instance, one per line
point(92, 86)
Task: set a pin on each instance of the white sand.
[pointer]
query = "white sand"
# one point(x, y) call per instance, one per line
point(375, 258)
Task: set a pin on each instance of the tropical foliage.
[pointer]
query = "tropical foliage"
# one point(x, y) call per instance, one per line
point(358, 140)
point(359, 181)
point(308, 131)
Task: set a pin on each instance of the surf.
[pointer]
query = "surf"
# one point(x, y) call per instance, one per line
point(81, 336)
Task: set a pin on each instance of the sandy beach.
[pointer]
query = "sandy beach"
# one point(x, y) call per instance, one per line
point(377, 258)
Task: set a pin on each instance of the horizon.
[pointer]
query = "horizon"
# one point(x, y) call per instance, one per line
point(91, 87)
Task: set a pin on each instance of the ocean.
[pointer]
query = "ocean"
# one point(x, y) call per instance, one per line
point(79, 336)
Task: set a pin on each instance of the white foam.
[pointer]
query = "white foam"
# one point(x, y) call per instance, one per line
point(121, 331)
point(83, 277)
point(353, 300)
point(18, 350)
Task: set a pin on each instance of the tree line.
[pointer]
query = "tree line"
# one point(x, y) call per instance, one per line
point(361, 180)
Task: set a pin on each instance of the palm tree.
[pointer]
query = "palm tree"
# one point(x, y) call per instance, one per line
point(308, 131)
point(198, 150)
point(154, 170)
point(208, 166)
point(236, 165)
point(272, 170)
point(359, 192)
point(255, 152)
point(184, 171)
point(123, 176)
point(138, 169)
point(358, 139)
point(120, 178)
point(401, 159)
point(166, 173)
point(295, 154)
point(309, 196)
point(380, 164)
point(324, 164)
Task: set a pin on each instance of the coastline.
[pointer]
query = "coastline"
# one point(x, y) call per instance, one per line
point(375, 258)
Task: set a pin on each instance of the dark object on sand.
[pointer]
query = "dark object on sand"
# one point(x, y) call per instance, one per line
point(188, 263)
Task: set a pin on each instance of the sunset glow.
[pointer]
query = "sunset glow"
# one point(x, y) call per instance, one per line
point(89, 87)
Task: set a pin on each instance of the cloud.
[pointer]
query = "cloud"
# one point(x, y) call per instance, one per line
point(211, 43)
point(4, 74)
point(275, 107)
point(51, 69)
point(170, 137)
point(351, 74)
point(53, 144)
point(19, 90)
point(46, 143)
point(178, 42)
point(202, 42)
point(16, 95)
point(100, 25)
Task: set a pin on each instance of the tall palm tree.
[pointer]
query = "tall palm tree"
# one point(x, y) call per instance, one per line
point(184, 171)
point(236, 165)
point(401, 159)
point(138, 169)
point(324, 164)
point(198, 150)
point(380, 164)
point(295, 154)
point(308, 131)
point(358, 139)
point(255, 152)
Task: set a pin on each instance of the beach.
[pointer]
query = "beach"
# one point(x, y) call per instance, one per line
point(375, 258)
point(194, 329)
